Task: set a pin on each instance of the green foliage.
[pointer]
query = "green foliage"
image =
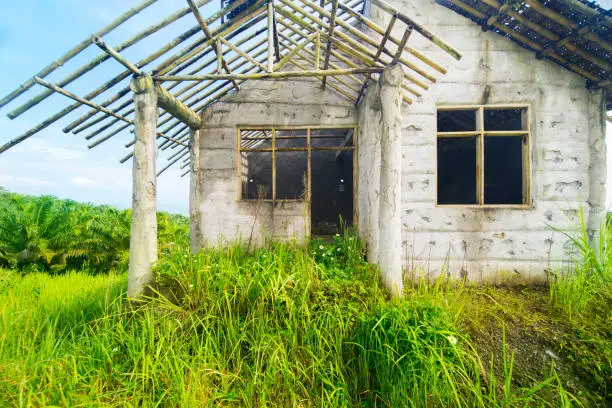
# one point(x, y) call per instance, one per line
point(48, 234)
point(231, 328)
point(589, 281)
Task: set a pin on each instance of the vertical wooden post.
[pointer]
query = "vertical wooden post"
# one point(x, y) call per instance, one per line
point(143, 239)
point(270, 35)
point(390, 218)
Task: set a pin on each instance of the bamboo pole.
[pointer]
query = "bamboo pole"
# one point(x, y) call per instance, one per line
point(165, 100)
point(270, 35)
point(374, 43)
point(242, 53)
point(229, 26)
point(551, 36)
point(526, 41)
point(75, 51)
point(332, 24)
point(333, 66)
point(352, 64)
point(207, 33)
point(294, 51)
point(344, 47)
point(398, 53)
point(129, 102)
point(356, 48)
point(380, 30)
point(273, 75)
point(116, 56)
point(163, 50)
point(378, 52)
point(419, 28)
point(80, 100)
point(101, 58)
point(159, 173)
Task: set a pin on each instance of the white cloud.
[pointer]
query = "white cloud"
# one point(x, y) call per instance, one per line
point(12, 182)
point(83, 182)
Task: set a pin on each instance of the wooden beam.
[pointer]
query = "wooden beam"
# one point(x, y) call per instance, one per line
point(242, 53)
point(419, 28)
point(177, 108)
point(165, 99)
point(115, 55)
point(403, 42)
point(294, 51)
point(74, 51)
point(383, 42)
point(273, 75)
point(196, 12)
point(332, 23)
point(83, 101)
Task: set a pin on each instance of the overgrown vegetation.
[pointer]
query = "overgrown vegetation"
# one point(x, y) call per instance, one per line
point(52, 235)
point(299, 326)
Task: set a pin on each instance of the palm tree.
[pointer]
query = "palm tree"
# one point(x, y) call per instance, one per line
point(34, 230)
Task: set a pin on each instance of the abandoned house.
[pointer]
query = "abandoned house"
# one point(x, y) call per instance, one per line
point(456, 136)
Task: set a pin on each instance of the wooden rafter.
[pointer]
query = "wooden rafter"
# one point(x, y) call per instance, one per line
point(330, 36)
point(208, 34)
point(198, 70)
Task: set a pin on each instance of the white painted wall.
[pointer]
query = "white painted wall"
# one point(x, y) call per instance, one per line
point(568, 155)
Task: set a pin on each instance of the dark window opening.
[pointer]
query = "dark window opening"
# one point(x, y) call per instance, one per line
point(256, 175)
point(275, 166)
point(503, 119)
point(503, 170)
point(457, 170)
point(332, 191)
point(488, 168)
point(457, 121)
point(291, 175)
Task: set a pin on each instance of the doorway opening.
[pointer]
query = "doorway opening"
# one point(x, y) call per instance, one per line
point(307, 164)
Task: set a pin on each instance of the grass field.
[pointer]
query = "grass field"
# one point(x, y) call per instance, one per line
point(301, 327)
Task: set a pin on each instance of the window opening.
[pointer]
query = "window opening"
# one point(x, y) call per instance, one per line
point(482, 154)
point(301, 164)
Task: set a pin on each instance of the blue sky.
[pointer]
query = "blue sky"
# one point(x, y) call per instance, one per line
point(35, 32)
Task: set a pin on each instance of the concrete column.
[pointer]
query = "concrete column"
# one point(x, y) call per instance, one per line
point(195, 233)
point(370, 130)
point(390, 215)
point(143, 239)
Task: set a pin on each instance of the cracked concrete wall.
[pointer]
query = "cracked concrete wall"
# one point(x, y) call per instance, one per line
point(217, 213)
point(568, 165)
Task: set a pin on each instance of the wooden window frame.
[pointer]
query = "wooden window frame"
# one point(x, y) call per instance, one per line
point(308, 149)
point(480, 134)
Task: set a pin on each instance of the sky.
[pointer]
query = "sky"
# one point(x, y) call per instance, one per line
point(35, 32)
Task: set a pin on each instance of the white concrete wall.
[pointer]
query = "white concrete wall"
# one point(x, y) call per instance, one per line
point(217, 214)
point(568, 167)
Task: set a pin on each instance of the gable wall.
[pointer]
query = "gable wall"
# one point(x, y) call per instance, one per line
point(217, 215)
point(568, 166)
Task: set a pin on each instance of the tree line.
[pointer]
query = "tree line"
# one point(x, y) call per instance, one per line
point(45, 233)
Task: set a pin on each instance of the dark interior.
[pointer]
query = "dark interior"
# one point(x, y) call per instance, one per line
point(503, 170)
point(503, 119)
point(457, 170)
point(456, 120)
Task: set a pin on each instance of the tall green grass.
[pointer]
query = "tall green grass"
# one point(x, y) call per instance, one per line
point(588, 282)
point(232, 328)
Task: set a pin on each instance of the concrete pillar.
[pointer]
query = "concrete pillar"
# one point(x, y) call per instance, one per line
point(143, 239)
point(390, 215)
point(195, 233)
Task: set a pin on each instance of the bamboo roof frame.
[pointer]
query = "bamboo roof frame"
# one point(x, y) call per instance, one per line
point(572, 33)
point(220, 51)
